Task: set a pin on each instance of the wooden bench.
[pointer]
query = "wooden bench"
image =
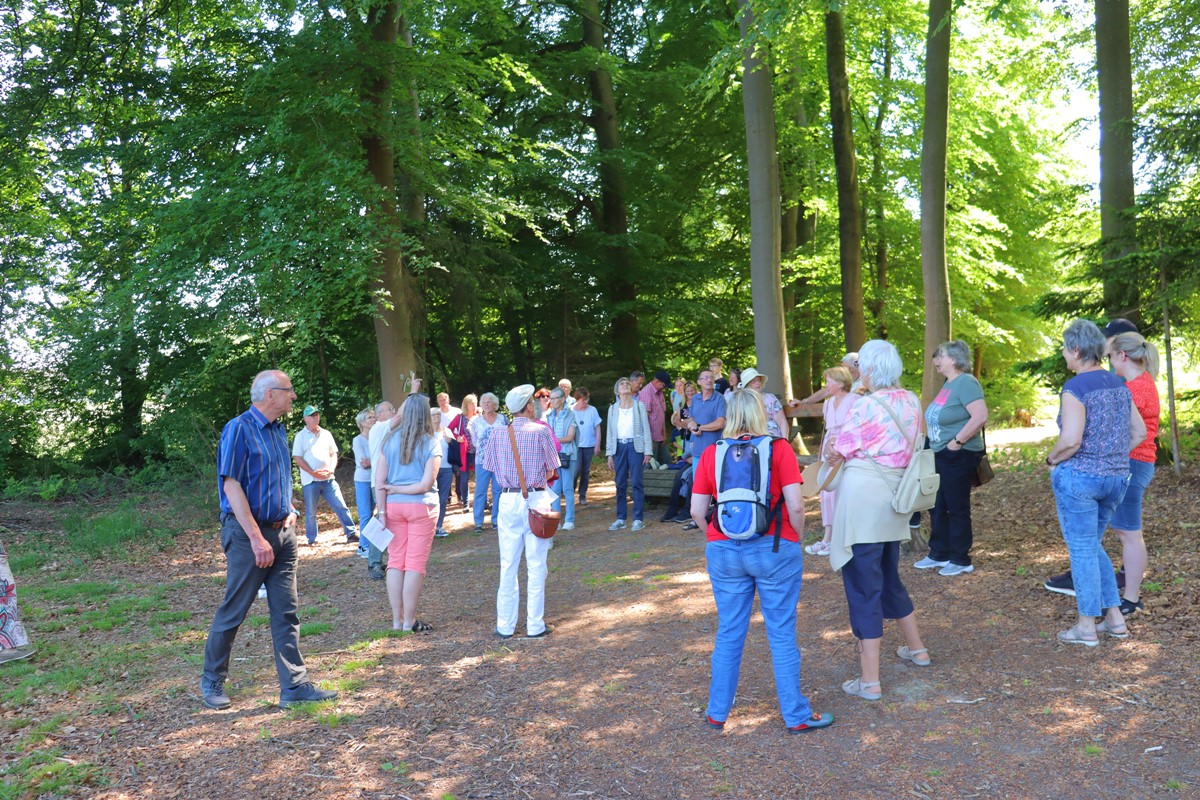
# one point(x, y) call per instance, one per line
point(658, 482)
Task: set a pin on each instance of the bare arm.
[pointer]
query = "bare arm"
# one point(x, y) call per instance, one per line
point(1074, 417)
point(1137, 428)
point(699, 509)
point(794, 499)
point(979, 416)
point(420, 487)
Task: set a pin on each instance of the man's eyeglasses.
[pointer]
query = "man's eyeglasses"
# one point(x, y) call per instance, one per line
point(282, 389)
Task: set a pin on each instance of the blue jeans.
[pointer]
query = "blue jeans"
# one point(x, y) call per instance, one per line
point(364, 498)
point(444, 478)
point(1085, 505)
point(1128, 516)
point(564, 486)
point(583, 470)
point(482, 479)
point(333, 496)
point(627, 464)
point(737, 570)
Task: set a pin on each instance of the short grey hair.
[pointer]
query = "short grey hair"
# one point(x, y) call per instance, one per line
point(362, 416)
point(958, 352)
point(381, 406)
point(850, 358)
point(486, 396)
point(617, 386)
point(1085, 338)
point(263, 382)
point(557, 394)
point(879, 364)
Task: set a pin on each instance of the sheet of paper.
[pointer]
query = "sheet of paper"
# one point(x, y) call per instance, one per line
point(376, 534)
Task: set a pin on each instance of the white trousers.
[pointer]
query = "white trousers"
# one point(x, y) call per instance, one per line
point(515, 537)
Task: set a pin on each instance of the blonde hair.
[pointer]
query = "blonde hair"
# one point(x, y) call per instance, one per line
point(841, 375)
point(745, 413)
point(1138, 350)
point(416, 423)
point(470, 402)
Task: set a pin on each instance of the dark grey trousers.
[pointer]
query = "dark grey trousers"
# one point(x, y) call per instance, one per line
point(242, 579)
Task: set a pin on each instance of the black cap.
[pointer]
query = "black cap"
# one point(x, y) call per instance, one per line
point(663, 376)
point(1119, 326)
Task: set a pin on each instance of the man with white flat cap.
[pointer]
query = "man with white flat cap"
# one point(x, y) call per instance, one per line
point(539, 461)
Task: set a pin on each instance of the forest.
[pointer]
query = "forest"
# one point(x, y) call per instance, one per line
point(483, 192)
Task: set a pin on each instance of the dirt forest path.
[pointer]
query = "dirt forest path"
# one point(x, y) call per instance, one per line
point(609, 706)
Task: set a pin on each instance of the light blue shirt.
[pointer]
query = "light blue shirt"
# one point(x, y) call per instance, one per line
point(561, 423)
point(704, 412)
point(586, 421)
point(400, 473)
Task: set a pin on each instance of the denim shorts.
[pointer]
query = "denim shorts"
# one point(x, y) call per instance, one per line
point(1128, 516)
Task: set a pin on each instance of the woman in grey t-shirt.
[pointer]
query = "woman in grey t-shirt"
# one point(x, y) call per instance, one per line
point(954, 421)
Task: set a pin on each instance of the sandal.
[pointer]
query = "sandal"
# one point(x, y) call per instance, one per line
point(1073, 635)
point(421, 627)
point(1116, 632)
point(918, 657)
point(858, 688)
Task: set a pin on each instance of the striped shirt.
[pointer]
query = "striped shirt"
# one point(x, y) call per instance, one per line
point(255, 453)
point(538, 455)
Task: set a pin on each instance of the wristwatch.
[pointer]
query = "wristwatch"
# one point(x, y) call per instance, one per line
point(1049, 463)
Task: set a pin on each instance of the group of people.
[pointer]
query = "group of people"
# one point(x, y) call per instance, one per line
point(407, 460)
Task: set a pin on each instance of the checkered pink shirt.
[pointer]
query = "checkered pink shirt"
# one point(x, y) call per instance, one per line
point(656, 410)
point(538, 456)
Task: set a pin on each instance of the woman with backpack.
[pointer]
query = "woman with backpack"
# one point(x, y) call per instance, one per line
point(876, 444)
point(744, 560)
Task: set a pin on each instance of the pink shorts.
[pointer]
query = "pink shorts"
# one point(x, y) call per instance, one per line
point(412, 526)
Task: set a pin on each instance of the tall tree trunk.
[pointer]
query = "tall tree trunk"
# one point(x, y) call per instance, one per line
point(1115, 78)
point(614, 217)
point(878, 187)
point(854, 322)
point(766, 288)
point(933, 188)
point(393, 285)
point(798, 228)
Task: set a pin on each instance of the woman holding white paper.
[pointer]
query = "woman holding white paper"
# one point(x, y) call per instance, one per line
point(407, 468)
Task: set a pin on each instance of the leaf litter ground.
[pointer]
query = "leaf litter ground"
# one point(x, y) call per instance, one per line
point(610, 705)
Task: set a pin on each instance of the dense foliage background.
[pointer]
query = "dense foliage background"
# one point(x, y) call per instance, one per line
point(189, 196)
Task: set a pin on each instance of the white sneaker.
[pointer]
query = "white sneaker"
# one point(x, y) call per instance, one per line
point(929, 563)
point(956, 569)
point(817, 549)
point(568, 526)
point(618, 525)
point(637, 525)
point(363, 551)
point(262, 592)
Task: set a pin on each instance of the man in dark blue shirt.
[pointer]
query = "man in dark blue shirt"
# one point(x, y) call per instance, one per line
point(258, 535)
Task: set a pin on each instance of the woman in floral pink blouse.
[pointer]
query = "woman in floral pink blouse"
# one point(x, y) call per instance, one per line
point(867, 532)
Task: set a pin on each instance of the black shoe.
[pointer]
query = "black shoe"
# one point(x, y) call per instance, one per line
point(712, 726)
point(545, 632)
point(1130, 607)
point(667, 518)
point(352, 537)
point(681, 518)
point(1061, 584)
point(375, 572)
point(304, 693)
point(500, 635)
point(212, 694)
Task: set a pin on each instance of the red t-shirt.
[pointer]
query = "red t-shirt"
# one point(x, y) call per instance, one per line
point(1145, 397)
point(785, 471)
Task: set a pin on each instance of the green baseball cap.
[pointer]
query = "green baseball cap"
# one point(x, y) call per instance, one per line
point(310, 411)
